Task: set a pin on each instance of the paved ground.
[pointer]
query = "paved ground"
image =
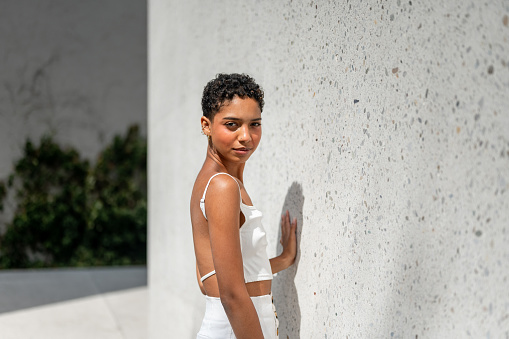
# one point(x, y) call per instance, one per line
point(100, 303)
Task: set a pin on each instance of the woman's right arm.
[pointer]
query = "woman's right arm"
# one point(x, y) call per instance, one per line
point(223, 211)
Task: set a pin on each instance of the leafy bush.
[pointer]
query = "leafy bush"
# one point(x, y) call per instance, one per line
point(70, 213)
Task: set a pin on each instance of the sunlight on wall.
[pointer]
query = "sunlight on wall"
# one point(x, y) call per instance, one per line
point(385, 133)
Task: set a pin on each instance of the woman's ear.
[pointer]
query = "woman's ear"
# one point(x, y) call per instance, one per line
point(205, 125)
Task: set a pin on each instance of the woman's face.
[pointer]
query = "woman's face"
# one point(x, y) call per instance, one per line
point(236, 129)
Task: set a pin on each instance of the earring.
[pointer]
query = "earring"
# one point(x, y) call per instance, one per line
point(209, 137)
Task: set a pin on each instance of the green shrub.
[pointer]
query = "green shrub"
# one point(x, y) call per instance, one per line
point(70, 213)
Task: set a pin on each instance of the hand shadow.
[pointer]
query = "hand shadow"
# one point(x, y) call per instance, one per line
point(285, 293)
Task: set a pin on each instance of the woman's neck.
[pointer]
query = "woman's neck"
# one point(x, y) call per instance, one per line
point(234, 169)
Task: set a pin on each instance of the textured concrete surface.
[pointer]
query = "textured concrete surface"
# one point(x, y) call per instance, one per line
point(114, 315)
point(74, 303)
point(73, 69)
point(21, 289)
point(385, 131)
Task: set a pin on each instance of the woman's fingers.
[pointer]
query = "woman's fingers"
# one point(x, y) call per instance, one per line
point(284, 228)
point(289, 235)
point(288, 228)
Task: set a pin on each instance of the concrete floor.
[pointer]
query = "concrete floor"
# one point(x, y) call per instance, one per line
point(74, 303)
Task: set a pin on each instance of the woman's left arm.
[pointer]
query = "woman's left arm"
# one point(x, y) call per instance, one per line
point(289, 242)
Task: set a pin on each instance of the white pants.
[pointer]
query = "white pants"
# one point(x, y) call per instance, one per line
point(215, 323)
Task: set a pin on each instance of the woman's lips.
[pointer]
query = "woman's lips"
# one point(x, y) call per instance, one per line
point(242, 150)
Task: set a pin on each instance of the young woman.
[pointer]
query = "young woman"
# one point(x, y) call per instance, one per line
point(232, 266)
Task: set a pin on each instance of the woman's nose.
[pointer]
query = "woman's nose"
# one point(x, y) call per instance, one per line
point(244, 134)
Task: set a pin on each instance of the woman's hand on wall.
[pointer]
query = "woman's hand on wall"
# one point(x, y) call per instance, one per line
point(288, 238)
point(289, 242)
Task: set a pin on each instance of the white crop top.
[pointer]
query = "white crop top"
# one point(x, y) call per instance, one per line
point(253, 243)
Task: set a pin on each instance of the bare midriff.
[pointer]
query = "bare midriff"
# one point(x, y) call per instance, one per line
point(254, 289)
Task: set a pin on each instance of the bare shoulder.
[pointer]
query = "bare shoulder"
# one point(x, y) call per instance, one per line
point(222, 197)
point(223, 185)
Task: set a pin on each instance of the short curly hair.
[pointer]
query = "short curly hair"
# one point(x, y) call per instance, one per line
point(224, 88)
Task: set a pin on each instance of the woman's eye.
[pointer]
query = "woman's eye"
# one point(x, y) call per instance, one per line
point(230, 124)
point(256, 124)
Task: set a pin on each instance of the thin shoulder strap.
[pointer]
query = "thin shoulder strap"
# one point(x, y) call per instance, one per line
point(202, 200)
point(208, 183)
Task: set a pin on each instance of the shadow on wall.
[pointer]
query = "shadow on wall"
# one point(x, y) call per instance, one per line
point(285, 293)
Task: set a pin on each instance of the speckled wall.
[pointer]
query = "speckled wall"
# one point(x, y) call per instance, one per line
point(386, 132)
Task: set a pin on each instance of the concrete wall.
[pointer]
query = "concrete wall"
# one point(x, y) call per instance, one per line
point(73, 69)
point(385, 131)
